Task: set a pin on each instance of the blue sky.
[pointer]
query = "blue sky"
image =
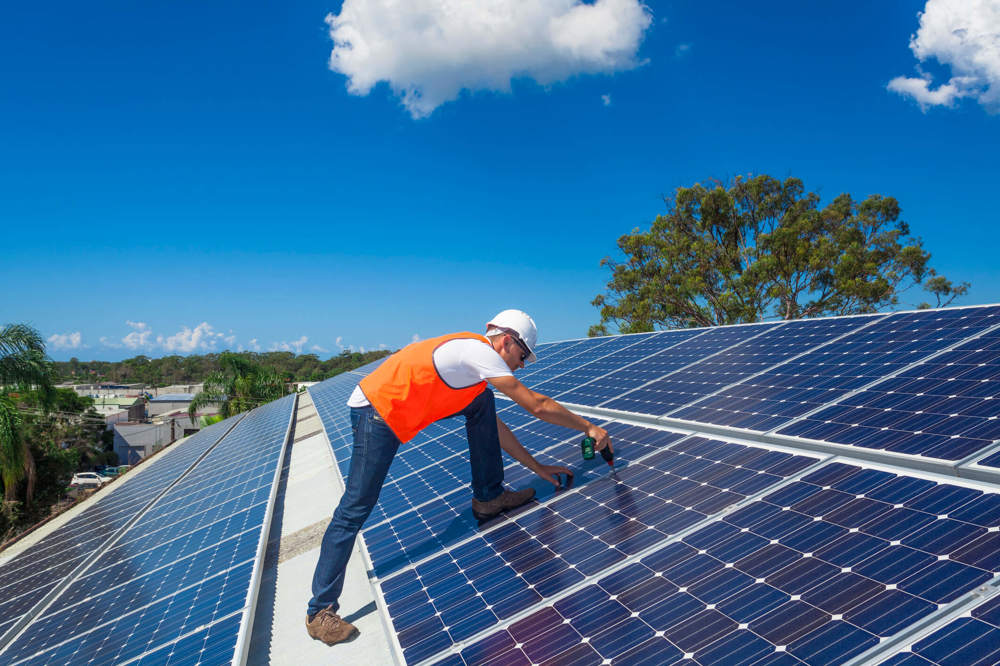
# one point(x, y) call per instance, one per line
point(180, 177)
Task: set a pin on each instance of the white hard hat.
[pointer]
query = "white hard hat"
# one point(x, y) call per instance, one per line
point(520, 323)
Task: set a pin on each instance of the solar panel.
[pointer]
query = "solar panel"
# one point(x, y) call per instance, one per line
point(591, 383)
point(557, 358)
point(627, 350)
point(625, 389)
point(991, 461)
point(730, 368)
point(187, 564)
point(495, 575)
point(214, 644)
point(985, 466)
point(28, 578)
point(822, 569)
point(367, 368)
point(591, 361)
point(426, 529)
point(829, 373)
point(908, 413)
point(973, 638)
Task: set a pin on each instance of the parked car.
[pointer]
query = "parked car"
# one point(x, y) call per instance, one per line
point(88, 480)
point(107, 471)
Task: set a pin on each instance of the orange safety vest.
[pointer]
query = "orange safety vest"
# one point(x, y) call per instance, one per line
point(409, 393)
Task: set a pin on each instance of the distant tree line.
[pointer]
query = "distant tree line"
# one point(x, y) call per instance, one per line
point(47, 434)
point(196, 368)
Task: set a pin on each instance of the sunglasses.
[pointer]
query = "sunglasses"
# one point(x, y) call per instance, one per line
point(519, 342)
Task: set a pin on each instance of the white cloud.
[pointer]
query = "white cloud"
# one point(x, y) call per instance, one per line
point(295, 345)
point(318, 349)
point(428, 51)
point(140, 337)
point(415, 337)
point(606, 99)
point(965, 36)
point(61, 341)
point(920, 90)
point(252, 345)
point(202, 337)
point(108, 342)
point(681, 49)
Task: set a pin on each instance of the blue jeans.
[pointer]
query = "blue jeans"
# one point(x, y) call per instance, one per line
point(375, 446)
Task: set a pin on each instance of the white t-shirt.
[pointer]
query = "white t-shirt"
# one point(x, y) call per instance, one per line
point(461, 363)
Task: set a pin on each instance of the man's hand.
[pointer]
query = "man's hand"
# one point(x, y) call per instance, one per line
point(601, 437)
point(551, 473)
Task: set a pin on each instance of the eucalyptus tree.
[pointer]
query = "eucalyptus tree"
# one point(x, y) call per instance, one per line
point(759, 248)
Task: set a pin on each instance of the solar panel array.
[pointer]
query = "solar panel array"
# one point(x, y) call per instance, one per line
point(730, 532)
point(933, 405)
point(162, 568)
point(27, 578)
point(971, 639)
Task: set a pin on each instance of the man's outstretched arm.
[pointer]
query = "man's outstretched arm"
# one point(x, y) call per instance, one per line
point(548, 410)
point(516, 450)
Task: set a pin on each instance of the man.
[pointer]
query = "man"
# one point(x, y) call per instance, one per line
point(422, 383)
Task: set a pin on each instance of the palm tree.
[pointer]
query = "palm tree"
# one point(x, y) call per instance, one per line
point(239, 386)
point(23, 364)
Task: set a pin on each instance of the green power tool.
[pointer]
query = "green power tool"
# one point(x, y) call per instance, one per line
point(587, 447)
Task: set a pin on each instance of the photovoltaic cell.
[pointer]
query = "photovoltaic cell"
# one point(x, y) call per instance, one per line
point(920, 411)
point(184, 566)
point(819, 571)
point(27, 578)
point(972, 639)
point(542, 552)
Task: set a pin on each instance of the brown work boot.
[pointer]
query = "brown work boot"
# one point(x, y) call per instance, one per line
point(508, 499)
point(328, 627)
